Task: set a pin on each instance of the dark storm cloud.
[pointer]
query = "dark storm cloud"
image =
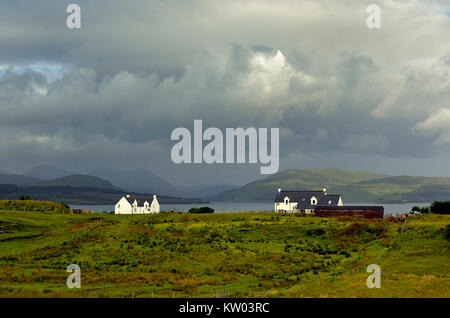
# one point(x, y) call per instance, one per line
point(15, 86)
point(134, 72)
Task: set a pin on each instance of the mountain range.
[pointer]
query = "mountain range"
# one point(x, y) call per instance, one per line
point(205, 190)
point(355, 187)
point(102, 185)
point(73, 188)
point(17, 179)
point(80, 195)
point(140, 180)
point(50, 182)
point(47, 172)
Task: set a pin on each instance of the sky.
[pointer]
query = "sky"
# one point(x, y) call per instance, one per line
point(110, 94)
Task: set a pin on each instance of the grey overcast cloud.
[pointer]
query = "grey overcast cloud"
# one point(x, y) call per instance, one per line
point(109, 94)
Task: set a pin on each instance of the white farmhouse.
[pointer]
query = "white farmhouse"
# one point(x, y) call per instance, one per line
point(305, 201)
point(133, 205)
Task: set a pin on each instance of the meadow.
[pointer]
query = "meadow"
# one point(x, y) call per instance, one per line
point(222, 254)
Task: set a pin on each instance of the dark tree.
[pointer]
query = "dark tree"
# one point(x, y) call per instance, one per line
point(440, 207)
point(203, 209)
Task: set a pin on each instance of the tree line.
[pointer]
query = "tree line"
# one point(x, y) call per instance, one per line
point(437, 207)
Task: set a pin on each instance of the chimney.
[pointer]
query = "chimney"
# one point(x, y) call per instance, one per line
point(279, 190)
point(154, 196)
point(324, 190)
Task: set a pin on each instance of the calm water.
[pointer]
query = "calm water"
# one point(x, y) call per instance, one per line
point(392, 209)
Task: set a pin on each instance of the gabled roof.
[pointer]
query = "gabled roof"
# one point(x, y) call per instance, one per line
point(304, 198)
point(140, 200)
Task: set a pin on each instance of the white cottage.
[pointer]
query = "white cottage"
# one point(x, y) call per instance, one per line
point(133, 205)
point(305, 201)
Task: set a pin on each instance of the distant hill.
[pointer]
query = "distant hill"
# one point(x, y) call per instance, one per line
point(17, 179)
point(140, 180)
point(47, 172)
point(89, 189)
point(355, 187)
point(79, 195)
point(78, 181)
point(206, 190)
point(8, 189)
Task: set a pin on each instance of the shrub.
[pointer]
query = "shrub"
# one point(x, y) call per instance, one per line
point(204, 209)
point(440, 207)
point(315, 232)
point(363, 231)
point(424, 209)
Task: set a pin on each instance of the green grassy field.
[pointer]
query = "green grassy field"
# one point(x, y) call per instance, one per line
point(231, 254)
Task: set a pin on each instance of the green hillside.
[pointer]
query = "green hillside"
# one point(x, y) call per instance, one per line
point(237, 254)
point(355, 187)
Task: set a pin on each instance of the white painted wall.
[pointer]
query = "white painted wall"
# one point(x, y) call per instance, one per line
point(286, 206)
point(154, 207)
point(123, 207)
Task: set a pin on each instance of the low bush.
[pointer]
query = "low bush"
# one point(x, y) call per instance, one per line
point(204, 209)
point(362, 231)
point(440, 207)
